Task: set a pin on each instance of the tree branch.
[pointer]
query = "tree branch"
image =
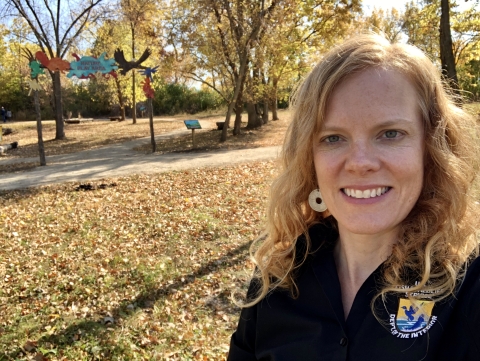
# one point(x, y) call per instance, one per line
point(77, 19)
point(42, 38)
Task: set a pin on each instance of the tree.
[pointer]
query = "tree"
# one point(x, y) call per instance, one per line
point(446, 46)
point(108, 37)
point(55, 25)
point(421, 26)
point(390, 23)
point(448, 35)
point(225, 44)
point(245, 33)
point(293, 42)
point(13, 73)
point(138, 15)
point(217, 37)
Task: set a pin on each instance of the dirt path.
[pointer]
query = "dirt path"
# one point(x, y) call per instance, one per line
point(120, 160)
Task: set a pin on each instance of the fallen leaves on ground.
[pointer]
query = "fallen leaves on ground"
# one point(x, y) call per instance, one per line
point(270, 134)
point(136, 268)
point(18, 167)
point(83, 136)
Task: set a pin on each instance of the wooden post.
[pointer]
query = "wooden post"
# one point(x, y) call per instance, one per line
point(41, 148)
point(192, 124)
point(152, 135)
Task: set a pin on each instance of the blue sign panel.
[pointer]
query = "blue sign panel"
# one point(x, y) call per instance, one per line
point(192, 124)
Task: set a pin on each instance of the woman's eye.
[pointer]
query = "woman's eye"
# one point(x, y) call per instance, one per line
point(332, 139)
point(391, 134)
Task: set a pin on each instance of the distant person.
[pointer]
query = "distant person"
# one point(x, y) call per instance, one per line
point(371, 247)
point(9, 115)
point(3, 113)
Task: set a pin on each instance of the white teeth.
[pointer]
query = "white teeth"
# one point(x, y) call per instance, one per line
point(368, 193)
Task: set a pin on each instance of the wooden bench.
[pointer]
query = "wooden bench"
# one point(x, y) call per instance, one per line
point(78, 120)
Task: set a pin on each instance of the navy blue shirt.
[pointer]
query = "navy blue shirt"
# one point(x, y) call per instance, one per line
point(313, 326)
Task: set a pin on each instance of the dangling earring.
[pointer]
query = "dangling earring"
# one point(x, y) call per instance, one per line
point(316, 202)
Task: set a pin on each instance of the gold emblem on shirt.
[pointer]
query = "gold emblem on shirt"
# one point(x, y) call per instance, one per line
point(413, 318)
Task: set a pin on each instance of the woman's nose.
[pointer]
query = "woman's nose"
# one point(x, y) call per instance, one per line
point(362, 158)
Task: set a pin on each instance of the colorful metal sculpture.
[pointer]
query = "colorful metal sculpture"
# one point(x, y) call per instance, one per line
point(129, 65)
point(147, 72)
point(147, 88)
point(53, 64)
point(35, 69)
point(33, 84)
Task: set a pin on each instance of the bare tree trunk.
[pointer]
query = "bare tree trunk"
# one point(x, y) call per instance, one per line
point(265, 100)
point(41, 148)
point(446, 48)
point(134, 100)
point(238, 90)
point(265, 112)
point(226, 125)
point(238, 116)
point(274, 109)
point(275, 100)
point(121, 101)
point(57, 98)
point(253, 119)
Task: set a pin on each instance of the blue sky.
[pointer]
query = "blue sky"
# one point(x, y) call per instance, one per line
point(368, 5)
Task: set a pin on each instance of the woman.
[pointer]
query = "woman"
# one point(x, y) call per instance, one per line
point(371, 249)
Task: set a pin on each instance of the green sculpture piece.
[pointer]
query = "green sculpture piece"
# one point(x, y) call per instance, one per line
point(36, 69)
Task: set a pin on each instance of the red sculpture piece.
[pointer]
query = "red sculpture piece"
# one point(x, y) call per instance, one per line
point(52, 64)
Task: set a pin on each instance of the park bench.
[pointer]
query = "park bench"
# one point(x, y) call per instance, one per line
point(78, 120)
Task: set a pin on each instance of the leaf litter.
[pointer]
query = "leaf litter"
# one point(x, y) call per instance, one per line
point(142, 268)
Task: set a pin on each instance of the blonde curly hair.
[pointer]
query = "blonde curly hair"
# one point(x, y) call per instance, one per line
point(439, 234)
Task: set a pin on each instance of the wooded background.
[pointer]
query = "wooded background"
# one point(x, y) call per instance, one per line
point(240, 54)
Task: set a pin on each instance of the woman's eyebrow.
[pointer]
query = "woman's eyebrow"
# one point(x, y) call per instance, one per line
point(383, 124)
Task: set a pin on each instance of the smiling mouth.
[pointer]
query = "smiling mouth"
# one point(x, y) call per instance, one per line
point(367, 193)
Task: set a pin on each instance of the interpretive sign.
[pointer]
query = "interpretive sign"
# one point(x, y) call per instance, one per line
point(192, 124)
point(87, 65)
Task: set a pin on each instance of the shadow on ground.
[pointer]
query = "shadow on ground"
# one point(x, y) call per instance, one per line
point(96, 328)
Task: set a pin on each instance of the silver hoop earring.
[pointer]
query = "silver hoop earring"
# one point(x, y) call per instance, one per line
point(316, 202)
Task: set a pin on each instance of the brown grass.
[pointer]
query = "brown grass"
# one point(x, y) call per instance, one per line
point(269, 134)
point(18, 167)
point(96, 134)
point(99, 133)
point(88, 135)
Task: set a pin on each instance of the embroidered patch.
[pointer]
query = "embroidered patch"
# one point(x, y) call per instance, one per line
point(412, 319)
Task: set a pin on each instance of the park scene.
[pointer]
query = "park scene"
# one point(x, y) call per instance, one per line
point(138, 142)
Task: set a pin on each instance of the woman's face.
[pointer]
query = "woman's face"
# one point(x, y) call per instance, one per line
point(369, 155)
